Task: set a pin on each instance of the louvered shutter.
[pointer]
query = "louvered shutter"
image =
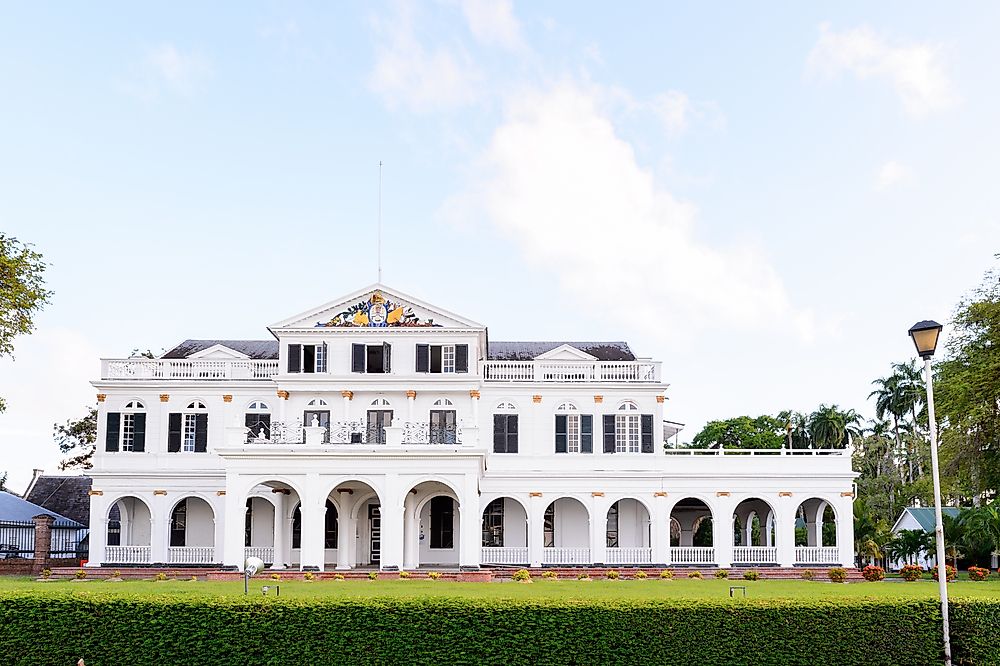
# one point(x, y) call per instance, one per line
point(174, 432)
point(647, 433)
point(357, 357)
point(423, 358)
point(114, 425)
point(461, 358)
point(512, 433)
point(139, 431)
point(201, 433)
point(294, 358)
point(609, 433)
point(586, 433)
point(386, 357)
point(499, 433)
point(561, 433)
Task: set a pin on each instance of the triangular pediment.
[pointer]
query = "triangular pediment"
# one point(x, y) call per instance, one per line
point(219, 351)
point(377, 306)
point(565, 353)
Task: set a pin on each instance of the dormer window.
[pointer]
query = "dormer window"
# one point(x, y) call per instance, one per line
point(442, 359)
point(371, 359)
point(307, 358)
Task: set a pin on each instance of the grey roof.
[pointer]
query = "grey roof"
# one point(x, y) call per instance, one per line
point(65, 495)
point(925, 515)
point(526, 351)
point(13, 507)
point(261, 349)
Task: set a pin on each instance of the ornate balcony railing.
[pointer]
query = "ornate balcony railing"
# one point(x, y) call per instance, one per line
point(190, 369)
point(571, 371)
point(359, 432)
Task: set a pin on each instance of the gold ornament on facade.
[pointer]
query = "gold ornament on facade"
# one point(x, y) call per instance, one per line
point(536, 399)
point(101, 397)
point(164, 397)
point(227, 398)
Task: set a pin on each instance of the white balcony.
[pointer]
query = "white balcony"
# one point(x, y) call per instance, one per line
point(191, 555)
point(358, 433)
point(265, 553)
point(755, 555)
point(566, 556)
point(126, 555)
point(204, 369)
point(630, 555)
point(692, 555)
point(572, 371)
point(817, 555)
point(505, 555)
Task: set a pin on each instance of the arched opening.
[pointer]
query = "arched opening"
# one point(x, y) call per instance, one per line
point(566, 533)
point(816, 533)
point(753, 533)
point(627, 533)
point(691, 532)
point(268, 523)
point(331, 531)
point(192, 532)
point(431, 525)
point(128, 532)
point(505, 532)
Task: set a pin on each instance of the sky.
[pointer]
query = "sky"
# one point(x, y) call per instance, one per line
point(765, 198)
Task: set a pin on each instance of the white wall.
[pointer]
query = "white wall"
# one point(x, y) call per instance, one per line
point(262, 523)
point(200, 528)
point(572, 529)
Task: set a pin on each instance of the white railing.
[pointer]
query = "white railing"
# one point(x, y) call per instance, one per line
point(692, 555)
point(566, 555)
point(757, 452)
point(154, 368)
point(265, 553)
point(505, 555)
point(817, 555)
point(190, 554)
point(126, 555)
point(357, 432)
point(635, 555)
point(755, 555)
point(571, 371)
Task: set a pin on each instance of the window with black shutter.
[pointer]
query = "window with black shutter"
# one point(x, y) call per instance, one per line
point(307, 358)
point(294, 358)
point(174, 432)
point(647, 433)
point(423, 362)
point(201, 433)
point(357, 357)
point(371, 359)
point(505, 433)
point(609, 433)
point(586, 433)
point(442, 359)
point(113, 425)
point(561, 434)
point(139, 434)
point(461, 358)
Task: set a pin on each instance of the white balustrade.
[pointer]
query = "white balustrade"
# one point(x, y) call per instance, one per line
point(755, 555)
point(692, 555)
point(265, 553)
point(154, 368)
point(636, 555)
point(126, 555)
point(566, 556)
point(571, 371)
point(817, 555)
point(757, 452)
point(190, 554)
point(504, 555)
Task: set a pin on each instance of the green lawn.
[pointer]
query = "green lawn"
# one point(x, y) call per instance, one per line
point(538, 589)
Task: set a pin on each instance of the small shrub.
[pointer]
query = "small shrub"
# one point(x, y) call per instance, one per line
point(583, 576)
point(193, 579)
point(978, 573)
point(696, 575)
point(80, 575)
point(521, 575)
point(339, 576)
point(950, 573)
point(751, 574)
point(116, 574)
point(807, 574)
point(276, 576)
point(434, 575)
point(641, 575)
point(666, 574)
point(404, 574)
point(308, 576)
point(722, 573)
point(837, 574)
point(873, 573)
point(161, 576)
point(372, 575)
point(46, 573)
point(911, 572)
point(550, 574)
point(612, 574)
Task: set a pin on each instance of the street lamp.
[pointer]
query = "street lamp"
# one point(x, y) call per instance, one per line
point(925, 338)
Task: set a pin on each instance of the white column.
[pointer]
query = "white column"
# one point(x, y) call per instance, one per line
point(536, 527)
point(845, 531)
point(659, 521)
point(474, 397)
point(411, 528)
point(470, 523)
point(219, 533)
point(348, 396)
point(313, 510)
point(410, 403)
point(234, 535)
point(722, 534)
point(391, 558)
point(159, 532)
point(598, 530)
point(282, 401)
point(98, 530)
point(345, 531)
point(280, 529)
point(784, 530)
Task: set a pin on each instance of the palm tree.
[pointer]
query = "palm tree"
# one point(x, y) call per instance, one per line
point(830, 427)
point(796, 428)
point(888, 400)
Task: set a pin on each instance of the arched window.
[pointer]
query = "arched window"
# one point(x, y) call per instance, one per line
point(627, 428)
point(443, 402)
point(506, 407)
point(178, 524)
point(566, 407)
point(628, 406)
point(574, 431)
point(380, 402)
point(318, 402)
point(258, 406)
point(197, 406)
point(134, 405)
point(189, 430)
point(133, 419)
point(257, 421)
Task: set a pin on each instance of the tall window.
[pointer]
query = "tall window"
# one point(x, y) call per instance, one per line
point(442, 522)
point(126, 430)
point(574, 431)
point(505, 429)
point(257, 421)
point(627, 428)
point(442, 358)
point(307, 358)
point(188, 430)
point(612, 535)
point(178, 524)
point(493, 524)
point(379, 418)
point(443, 425)
point(371, 358)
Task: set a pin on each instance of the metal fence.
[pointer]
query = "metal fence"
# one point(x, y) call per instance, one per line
point(17, 539)
point(66, 542)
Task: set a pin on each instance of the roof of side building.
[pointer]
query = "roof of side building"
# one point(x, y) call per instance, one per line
point(258, 349)
point(14, 508)
point(527, 351)
point(65, 495)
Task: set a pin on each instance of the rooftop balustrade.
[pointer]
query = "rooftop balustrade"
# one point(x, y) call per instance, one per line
point(188, 369)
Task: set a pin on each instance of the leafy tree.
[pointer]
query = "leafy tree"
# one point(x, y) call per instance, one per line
point(832, 428)
point(77, 438)
point(742, 432)
point(796, 429)
point(22, 292)
point(3, 481)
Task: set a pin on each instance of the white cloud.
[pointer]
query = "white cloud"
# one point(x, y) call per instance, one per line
point(559, 180)
point(492, 22)
point(890, 174)
point(915, 70)
point(408, 74)
point(167, 69)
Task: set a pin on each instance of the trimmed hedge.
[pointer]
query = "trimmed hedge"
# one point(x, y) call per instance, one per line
point(60, 628)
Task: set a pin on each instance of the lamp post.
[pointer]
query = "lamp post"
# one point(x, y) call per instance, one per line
point(925, 338)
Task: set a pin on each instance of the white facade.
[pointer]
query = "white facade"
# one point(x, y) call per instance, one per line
point(381, 432)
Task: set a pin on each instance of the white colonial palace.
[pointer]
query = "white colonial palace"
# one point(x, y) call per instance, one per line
point(381, 431)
